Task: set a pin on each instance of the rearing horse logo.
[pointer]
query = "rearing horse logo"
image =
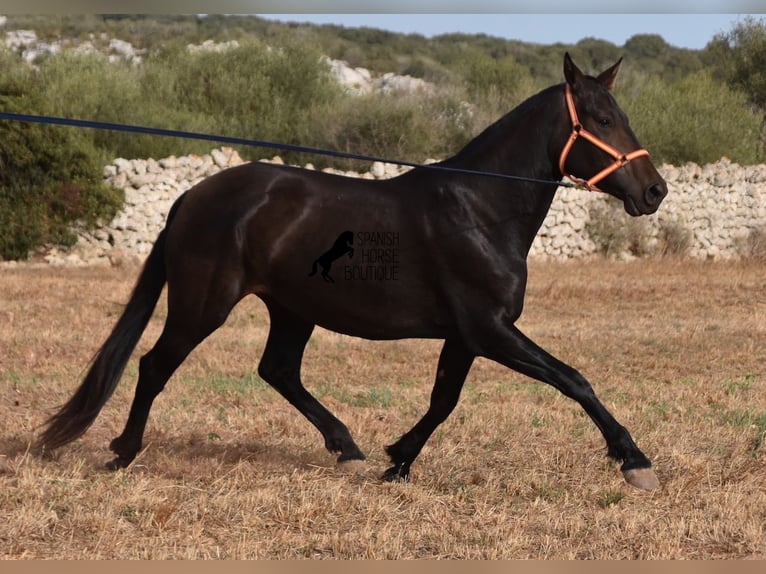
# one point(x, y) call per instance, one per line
point(341, 246)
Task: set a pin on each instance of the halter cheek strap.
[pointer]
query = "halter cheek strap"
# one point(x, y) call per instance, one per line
point(620, 159)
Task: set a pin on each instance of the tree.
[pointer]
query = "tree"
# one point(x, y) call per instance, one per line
point(592, 54)
point(739, 58)
point(646, 46)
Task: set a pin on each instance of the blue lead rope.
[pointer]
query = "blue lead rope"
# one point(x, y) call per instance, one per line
point(52, 120)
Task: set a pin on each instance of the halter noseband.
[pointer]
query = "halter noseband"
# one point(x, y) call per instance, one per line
point(620, 159)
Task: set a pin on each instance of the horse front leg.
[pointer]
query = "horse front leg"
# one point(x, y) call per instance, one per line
point(514, 350)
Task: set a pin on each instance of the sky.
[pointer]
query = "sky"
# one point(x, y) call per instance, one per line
point(692, 31)
point(682, 23)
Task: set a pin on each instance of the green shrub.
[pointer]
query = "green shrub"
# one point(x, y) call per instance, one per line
point(695, 119)
point(407, 127)
point(90, 87)
point(675, 239)
point(50, 176)
point(252, 91)
point(615, 233)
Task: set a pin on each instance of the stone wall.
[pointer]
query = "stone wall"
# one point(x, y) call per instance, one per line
point(716, 208)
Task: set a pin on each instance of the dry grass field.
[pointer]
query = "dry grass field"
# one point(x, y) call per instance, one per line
point(677, 350)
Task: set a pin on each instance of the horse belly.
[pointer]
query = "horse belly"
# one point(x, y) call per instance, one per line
point(376, 291)
point(381, 311)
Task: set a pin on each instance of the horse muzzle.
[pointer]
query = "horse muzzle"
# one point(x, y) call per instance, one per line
point(648, 202)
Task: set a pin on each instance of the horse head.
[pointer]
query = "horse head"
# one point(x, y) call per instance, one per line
point(602, 153)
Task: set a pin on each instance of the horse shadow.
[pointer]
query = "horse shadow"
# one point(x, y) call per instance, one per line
point(192, 448)
point(342, 245)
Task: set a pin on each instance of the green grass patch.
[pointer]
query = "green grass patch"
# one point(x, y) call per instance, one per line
point(224, 384)
point(739, 385)
point(610, 498)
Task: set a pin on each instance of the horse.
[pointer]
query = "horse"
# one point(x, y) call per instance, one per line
point(252, 229)
point(342, 245)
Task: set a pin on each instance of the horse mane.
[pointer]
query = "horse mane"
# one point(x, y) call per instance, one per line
point(497, 134)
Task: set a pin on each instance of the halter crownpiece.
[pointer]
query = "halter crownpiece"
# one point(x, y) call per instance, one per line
point(620, 159)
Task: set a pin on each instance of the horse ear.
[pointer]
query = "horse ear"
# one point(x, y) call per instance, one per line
point(608, 77)
point(571, 72)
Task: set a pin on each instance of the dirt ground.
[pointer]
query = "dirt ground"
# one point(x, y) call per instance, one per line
point(676, 350)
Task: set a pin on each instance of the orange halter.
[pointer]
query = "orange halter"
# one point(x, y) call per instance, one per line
point(620, 159)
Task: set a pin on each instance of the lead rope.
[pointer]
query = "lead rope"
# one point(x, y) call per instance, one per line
point(52, 120)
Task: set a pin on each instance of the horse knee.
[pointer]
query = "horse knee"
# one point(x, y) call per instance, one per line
point(274, 371)
point(578, 388)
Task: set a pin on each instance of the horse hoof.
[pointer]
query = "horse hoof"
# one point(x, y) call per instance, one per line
point(397, 473)
point(391, 476)
point(643, 478)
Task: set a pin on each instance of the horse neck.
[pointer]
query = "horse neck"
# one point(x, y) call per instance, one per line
point(525, 143)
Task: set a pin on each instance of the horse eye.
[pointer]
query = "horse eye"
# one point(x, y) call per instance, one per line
point(604, 122)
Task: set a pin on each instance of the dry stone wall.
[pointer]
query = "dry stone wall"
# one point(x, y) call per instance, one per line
point(718, 206)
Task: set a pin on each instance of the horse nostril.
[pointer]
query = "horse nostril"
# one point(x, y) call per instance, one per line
point(656, 193)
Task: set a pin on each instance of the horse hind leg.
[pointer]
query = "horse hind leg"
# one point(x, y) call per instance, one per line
point(155, 368)
point(192, 316)
point(455, 361)
point(280, 367)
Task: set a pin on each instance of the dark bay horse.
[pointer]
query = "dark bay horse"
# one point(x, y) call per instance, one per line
point(255, 228)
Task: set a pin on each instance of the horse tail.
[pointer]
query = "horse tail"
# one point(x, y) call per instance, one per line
point(79, 412)
point(313, 268)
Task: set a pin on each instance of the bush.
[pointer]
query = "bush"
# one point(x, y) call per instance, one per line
point(50, 177)
point(753, 245)
point(675, 239)
point(494, 85)
point(693, 120)
point(615, 233)
point(406, 127)
point(252, 91)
